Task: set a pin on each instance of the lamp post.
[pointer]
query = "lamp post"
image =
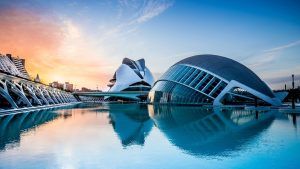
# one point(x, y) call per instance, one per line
point(284, 87)
point(293, 92)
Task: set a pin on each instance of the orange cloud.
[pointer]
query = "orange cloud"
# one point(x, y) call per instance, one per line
point(28, 34)
point(52, 47)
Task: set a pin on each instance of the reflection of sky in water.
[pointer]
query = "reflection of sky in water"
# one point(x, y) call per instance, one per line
point(200, 131)
point(124, 136)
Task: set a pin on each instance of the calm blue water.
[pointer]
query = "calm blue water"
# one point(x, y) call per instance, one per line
point(135, 136)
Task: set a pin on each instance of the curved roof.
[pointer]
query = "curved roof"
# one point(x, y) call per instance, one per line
point(138, 66)
point(131, 72)
point(229, 70)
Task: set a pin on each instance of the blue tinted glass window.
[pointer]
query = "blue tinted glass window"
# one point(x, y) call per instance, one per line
point(169, 72)
point(175, 72)
point(212, 85)
point(187, 75)
point(192, 77)
point(219, 89)
point(198, 79)
point(174, 93)
point(183, 73)
point(178, 73)
point(204, 82)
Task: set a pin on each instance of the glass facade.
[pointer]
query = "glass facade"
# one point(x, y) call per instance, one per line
point(239, 96)
point(213, 78)
point(139, 86)
point(171, 92)
point(184, 84)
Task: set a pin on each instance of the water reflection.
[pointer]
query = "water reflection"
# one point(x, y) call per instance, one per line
point(206, 131)
point(123, 136)
point(131, 122)
point(293, 117)
point(12, 126)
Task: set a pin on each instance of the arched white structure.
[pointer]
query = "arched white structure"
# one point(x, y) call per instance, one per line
point(131, 76)
point(211, 79)
point(17, 93)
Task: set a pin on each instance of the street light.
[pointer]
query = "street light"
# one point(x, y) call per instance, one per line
point(293, 92)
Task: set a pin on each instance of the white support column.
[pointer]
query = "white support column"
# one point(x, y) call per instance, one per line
point(18, 90)
point(59, 95)
point(56, 96)
point(31, 93)
point(53, 96)
point(39, 93)
point(47, 96)
point(4, 93)
point(232, 84)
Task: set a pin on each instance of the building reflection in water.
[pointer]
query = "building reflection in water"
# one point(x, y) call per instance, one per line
point(206, 131)
point(293, 118)
point(12, 126)
point(131, 122)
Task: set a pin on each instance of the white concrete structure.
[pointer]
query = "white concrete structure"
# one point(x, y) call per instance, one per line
point(13, 66)
point(131, 76)
point(211, 79)
point(17, 93)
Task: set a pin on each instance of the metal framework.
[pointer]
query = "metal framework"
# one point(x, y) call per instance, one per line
point(20, 92)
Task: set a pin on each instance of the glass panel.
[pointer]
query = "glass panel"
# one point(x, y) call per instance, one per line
point(212, 85)
point(179, 72)
point(192, 77)
point(175, 72)
point(204, 82)
point(198, 79)
point(219, 89)
point(169, 72)
point(183, 74)
point(173, 93)
point(188, 74)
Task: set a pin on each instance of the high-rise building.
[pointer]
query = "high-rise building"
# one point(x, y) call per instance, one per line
point(6, 65)
point(13, 65)
point(20, 64)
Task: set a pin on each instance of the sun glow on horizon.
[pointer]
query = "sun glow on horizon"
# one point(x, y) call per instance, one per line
point(84, 42)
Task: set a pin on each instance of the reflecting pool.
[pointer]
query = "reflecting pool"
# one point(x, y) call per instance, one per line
point(147, 136)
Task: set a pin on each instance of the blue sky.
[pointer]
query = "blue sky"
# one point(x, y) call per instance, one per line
point(97, 35)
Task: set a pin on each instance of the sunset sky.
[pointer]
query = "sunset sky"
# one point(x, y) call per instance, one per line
point(84, 42)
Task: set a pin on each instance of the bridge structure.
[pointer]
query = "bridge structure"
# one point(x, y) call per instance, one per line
point(134, 95)
point(19, 92)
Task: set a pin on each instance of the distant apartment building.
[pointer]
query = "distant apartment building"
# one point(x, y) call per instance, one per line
point(57, 85)
point(84, 89)
point(13, 65)
point(68, 87)
point(63, 86)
